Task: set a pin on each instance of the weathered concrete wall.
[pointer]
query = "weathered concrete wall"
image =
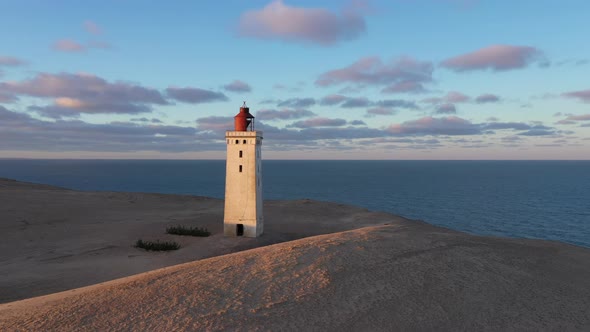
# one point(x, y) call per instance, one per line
point(243, 183)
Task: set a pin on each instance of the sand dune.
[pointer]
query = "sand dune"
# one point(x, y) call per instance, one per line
point(402, 276)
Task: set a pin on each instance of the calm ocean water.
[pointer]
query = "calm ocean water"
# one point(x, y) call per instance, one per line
point(528, 199)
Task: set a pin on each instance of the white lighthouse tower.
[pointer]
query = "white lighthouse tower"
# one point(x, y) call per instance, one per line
point(243, 178)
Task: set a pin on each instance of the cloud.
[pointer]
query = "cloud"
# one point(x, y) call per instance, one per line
point(279, 86)
point(195, 95)
point(537, 132)
point(310, 134)
point(454, 125)
point(286, 114)
point(451, 125)
point(86, 87)
point(72, 46)
point(19, 131)
point(68, 45)
point(92, 28)
point(356, 102)
point(487, 98)
point(456, 97)
point(10, 61)
point(237, 86)
point(152, 120)
point(584, 117)
point(451, 97)
point(215, 123)
point(332, 100)
point(297, 102)
point(379, 111)
point(397, 103)
point(73, 94)
point(573, 119)
point(318, 122)
point(372, 71)
point(357, 123)
point(297, 24)
point(494, 57)
point(506, 125)
point(59, 110)
point(446, 109)
point(6, 97)
point(582, 95)
point(404, 87)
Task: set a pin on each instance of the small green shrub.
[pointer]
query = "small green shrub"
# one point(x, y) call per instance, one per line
point(157, 245)
point(192, 231)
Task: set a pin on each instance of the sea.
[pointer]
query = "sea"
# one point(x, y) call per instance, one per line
point(523, 199)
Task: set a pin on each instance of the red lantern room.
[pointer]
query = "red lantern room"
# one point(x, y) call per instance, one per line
point(243, 120)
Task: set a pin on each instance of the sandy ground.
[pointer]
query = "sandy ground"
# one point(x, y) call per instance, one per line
point(55, 239)
point(402, 276)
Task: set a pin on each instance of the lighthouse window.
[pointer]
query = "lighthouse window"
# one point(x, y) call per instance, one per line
point(244, 142)
point(237, 141)
point(240, 168)
point(240, 153)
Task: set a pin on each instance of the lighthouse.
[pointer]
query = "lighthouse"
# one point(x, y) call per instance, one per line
point(243, 178)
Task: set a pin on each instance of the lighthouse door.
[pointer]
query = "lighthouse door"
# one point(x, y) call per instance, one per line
point(240, 229)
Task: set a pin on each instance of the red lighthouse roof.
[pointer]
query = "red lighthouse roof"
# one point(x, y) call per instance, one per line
point(243, 120)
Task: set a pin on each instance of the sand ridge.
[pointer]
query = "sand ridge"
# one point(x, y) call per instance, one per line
point(366, 279)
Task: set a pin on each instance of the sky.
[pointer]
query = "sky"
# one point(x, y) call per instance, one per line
point(389, 79)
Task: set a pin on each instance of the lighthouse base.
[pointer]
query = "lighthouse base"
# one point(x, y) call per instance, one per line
point(242, 228)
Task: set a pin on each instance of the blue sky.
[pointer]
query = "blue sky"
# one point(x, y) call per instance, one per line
point(401, 79)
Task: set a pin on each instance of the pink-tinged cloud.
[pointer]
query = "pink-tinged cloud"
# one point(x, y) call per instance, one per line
point(195, 95)
point(85, 87)
point(456, 97)
point(379, 111)
point(10, 61)
point(215, 123)
point(92, 28)
point(318, 122)
point(286, 114)
point(573, 119)
point(582, 95)
point(371, 70)
point(495, 57)
point(297, 24)
point(453, 97)
point(584, 117)
point(68, 45)
point(451, 125)
point(487, 98)
point(73, 94)
point(238, 86)
point(404, 87)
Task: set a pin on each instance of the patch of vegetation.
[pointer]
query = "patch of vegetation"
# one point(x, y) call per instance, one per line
point(192, 231)
point(157, 245)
